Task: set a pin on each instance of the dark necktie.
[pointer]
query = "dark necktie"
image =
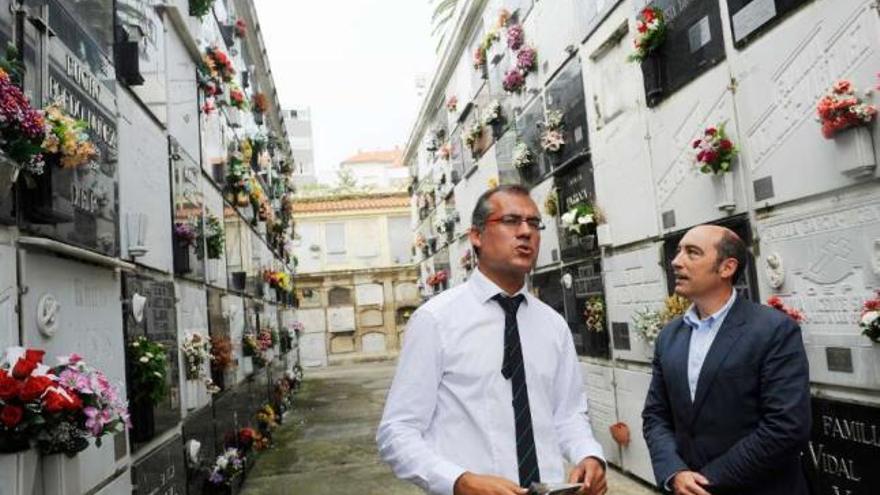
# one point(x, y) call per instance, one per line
point(514, 370)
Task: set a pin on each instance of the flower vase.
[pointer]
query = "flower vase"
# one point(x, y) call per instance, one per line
point(212, 270)
point(21, 471)
point(723, 185)
point(47, 199)
point(652, 70)
point(192, 392)
point(858, 144)
point(181, 258)
point(143, 424)
point(61, 475)
point(8, 174)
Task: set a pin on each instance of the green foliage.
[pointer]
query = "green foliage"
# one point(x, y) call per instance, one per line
point(149, 362)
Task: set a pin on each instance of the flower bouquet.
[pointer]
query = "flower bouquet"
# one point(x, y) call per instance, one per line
point(227, 468)
point(527, 59)
point(714, 152)
point(494, 114)
point(651, 32)
point(260, 102)
point(240, 28)
point(514, 80)
point(776, 303)
point(522, 157)
point(148, 370)
point(221, 353)
point(67, 138)
point(218, 63)
point(579, 216)
point(870, 320)
point(841, 109)
point(250, 347)
point(552, 138)
point(479, 59)
point(515, 37)
point(196, 352)
point(648, 324)
point(474, 133)
point(185, 234)
point(445, 151)
point(22, 129)
point(215, 237)
point(594, 314)
point(237, 99)
point(200, 8)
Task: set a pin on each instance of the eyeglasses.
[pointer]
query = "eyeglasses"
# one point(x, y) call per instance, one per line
point(514, 221)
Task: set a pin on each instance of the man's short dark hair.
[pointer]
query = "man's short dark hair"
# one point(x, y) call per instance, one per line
point(483, 208)
point(731, 246)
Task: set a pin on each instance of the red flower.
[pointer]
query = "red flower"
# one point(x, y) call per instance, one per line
point(9, 388)
point(57, 399)
point(23, 368)
point(725, 144)
point(775, 302)
point(642, 27)
point(648, 14)
point(34, 387)
point(711, 156)
point(696, 143)
point(11, 416)
point(35, 355)
point(711, 131)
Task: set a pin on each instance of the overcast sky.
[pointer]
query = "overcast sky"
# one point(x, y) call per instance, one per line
point(354, 63)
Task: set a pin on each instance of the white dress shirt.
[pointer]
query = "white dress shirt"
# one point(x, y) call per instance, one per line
point(450, 410)
point(703, 333)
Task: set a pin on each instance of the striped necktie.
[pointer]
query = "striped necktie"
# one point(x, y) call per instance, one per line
point(514, 370)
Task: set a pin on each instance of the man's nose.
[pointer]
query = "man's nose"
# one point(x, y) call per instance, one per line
point(676, 262)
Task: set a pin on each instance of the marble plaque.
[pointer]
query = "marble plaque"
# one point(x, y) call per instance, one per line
point(634, 280)
point(313, 320)
point(162, 471)
point(341, 344)
point(369, 294)
point(8, 298)
point(631, 387)
point(406, 292)
point(548, 252)
point(565, 93)
point(678, 185)
point(554, 32)
point(371, 318)
point(373, 343)
point(780, 78)
point(602, 403)
point(143, 187)
point(88, 313)
point(528, 132)
point(828, 253)
point(340, 319)
point(313, 350)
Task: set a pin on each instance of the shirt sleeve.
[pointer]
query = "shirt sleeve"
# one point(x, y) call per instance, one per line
point(570, 410)
point(409, 408)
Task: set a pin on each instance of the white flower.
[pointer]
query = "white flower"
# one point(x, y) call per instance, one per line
point(144, 359)
point(586, 219)
point(149, 355)
point(159, 375)
point(135, 344)
point(222, 462)
point(568, 217)
point(869, 317)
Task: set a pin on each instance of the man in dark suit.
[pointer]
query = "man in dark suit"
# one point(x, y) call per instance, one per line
point(728, 410)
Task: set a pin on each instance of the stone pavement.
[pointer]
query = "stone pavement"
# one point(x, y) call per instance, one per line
point(326, 444)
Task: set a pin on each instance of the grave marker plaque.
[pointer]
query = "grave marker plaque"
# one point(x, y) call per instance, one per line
point(528, 133)
point(844, 448)
point(162, 471)
point(693, 45)
point(750, 18)
point(565, 93)
point(575, 187)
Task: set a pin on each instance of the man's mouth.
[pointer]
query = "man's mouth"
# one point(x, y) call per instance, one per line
point(524, 250)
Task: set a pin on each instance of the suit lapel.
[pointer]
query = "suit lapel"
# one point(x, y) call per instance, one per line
point(680, 349)
point(731, 330)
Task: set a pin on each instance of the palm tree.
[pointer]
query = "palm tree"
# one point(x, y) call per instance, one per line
point(443, 12)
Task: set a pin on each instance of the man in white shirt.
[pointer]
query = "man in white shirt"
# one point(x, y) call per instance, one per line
point(488, 397)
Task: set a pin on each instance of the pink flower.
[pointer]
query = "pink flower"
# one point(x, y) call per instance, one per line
point(515, 37)
point(526, 59)
point(514, 80)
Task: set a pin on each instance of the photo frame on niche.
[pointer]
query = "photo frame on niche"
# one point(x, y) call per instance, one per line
point(749, 19)
point(565, 93)
point(693, 45)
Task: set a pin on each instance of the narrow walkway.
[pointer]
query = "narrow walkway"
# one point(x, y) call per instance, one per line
point(326, 446)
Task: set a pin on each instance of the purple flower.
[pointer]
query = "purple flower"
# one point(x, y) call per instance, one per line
point(184, 233)
point(526, 59)
point(514, 80)
point(215, 477)
point(515, 36)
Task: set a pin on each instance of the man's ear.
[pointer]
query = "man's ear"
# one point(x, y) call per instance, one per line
point(728, 268)
point(474, 236)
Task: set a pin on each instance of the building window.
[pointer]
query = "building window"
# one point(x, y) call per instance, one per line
point(335, 238)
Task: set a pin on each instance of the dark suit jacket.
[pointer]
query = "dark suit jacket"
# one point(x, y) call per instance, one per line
point(750, 418)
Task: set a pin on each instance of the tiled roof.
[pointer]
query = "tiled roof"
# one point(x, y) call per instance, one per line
point(392, 157)
point(351, 203)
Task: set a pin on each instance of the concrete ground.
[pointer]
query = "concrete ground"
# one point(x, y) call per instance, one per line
point(326, 444)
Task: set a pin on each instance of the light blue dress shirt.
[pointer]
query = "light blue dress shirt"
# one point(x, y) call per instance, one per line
point(703, 333)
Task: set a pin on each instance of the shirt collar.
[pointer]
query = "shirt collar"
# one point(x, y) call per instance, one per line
point(693, 320)
point(486, 289)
